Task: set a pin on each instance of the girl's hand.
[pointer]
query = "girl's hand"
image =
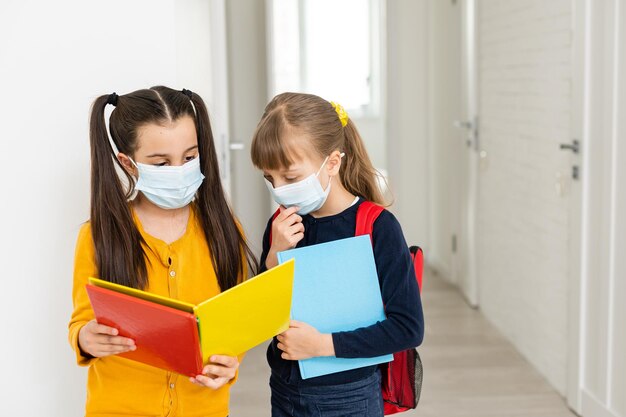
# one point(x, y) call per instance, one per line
point(218, 373)
point(287, 231)
point(99, 340)
point(302, 341)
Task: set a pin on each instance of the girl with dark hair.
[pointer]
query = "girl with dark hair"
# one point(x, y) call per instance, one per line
point(167, 229)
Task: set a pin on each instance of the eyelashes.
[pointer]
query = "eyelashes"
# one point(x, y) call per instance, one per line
point(165, 163)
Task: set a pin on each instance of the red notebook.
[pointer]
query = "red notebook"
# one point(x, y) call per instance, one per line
point(165, 337)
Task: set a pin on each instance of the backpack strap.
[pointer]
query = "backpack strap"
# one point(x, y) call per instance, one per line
point(418, 263)
point(366, 215)
point(276, 213)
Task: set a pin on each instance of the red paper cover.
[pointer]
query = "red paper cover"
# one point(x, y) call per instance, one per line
point(165, 337)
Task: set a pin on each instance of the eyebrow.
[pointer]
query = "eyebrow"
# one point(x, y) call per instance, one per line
point(164, 155)
point(288, 171)
point(290, 168)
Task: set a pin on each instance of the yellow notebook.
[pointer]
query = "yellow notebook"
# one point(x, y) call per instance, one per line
point(235, 320)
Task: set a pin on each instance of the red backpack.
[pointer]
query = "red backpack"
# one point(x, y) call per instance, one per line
point(401, 378)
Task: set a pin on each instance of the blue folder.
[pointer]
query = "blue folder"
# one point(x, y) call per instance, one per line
point(336, 288)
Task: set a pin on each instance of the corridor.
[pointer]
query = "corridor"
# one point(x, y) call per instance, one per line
point(470, 370)
point(497, 128)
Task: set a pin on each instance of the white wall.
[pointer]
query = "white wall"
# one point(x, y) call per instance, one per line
point(603, 335)
point(248, 96)
point(372, 131)
point(407, 116)
point(523, 224)
point(55, 58)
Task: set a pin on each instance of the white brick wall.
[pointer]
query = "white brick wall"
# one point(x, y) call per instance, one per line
point(524, 49)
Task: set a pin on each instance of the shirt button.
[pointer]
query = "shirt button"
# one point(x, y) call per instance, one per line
point(172, 385)
point(172, 274)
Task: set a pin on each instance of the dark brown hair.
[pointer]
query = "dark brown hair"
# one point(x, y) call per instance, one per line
point(120, 249)
point(317, 119)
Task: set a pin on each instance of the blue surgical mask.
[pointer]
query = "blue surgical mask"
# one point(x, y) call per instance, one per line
point(307, 194)
point(170, 187)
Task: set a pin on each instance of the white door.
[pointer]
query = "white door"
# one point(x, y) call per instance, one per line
point(465, 164)
point(454, 143)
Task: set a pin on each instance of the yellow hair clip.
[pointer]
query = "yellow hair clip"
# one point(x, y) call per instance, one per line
point(341, 112)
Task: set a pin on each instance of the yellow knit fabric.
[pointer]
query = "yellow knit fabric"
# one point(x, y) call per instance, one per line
point(118, 386)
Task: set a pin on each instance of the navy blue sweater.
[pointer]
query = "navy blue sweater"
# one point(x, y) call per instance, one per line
point(404, 326)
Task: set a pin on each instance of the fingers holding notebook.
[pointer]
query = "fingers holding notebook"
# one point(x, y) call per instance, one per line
point(99, 340)
point(218, 373)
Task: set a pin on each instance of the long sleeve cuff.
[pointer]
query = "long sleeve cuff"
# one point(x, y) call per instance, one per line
point(82, 359)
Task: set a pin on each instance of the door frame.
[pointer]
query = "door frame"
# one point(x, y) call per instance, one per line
point(576, 280)
point(598, 43)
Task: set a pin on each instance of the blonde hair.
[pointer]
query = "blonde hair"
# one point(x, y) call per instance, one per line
point(317, 119)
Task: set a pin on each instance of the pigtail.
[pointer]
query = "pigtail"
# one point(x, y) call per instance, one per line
point(228, 247)
point(357, 172)
point(118, 244)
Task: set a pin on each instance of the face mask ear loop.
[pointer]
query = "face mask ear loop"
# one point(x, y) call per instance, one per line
point(112, 143)
point(107, 123)
point(341, 155)
point(323, 163)
point(136, 166)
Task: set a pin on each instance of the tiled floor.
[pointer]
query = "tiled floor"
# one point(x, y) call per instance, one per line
point(469, 369)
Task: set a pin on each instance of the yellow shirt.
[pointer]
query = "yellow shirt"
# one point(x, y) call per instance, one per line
point(118, 386)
